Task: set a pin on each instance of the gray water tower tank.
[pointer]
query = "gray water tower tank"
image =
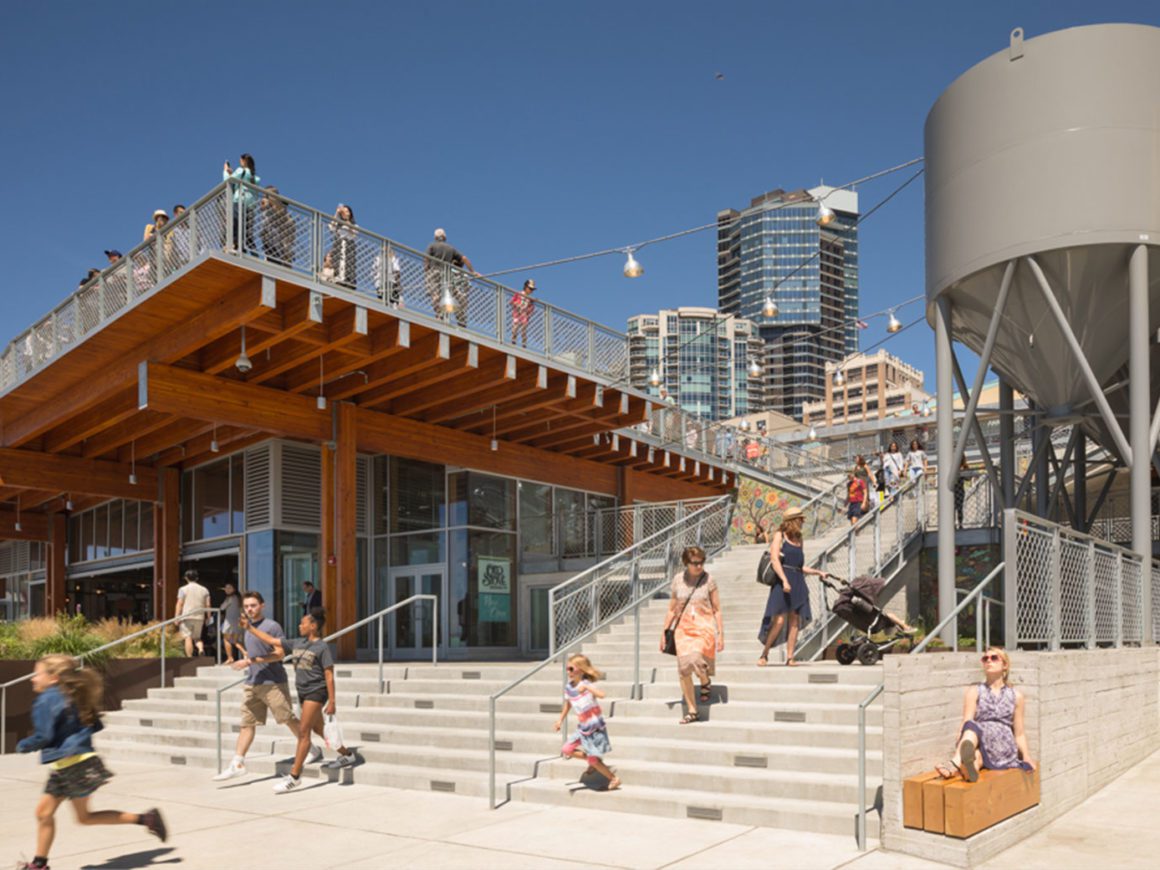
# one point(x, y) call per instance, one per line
point(1049, 149)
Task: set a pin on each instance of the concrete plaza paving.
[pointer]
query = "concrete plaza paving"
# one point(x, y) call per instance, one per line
point(243, 824)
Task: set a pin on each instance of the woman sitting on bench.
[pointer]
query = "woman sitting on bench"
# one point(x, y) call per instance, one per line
point(991, 735)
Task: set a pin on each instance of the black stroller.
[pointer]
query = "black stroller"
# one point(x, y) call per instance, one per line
point(857, 605)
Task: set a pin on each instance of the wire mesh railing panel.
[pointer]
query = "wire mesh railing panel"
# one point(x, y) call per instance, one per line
point(66, 324)
point(116, 297)
point(285, 233)
point(1074, 576)
point(1106, 582)
point(610, 354)
point(175, 244)
point(525, 320)
point(569, 339)
point(484, 315)
point(143, 271)
point(1132, 597)
point(1036, 604)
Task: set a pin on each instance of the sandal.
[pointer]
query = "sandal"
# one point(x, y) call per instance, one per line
point(791, 663)
point(705, 694)
point(689, 718)
point(762, 662)
point(613, 784)
point(947, 769)
point(967, 765)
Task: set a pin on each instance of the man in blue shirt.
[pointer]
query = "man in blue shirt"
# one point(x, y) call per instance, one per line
point(266, 687)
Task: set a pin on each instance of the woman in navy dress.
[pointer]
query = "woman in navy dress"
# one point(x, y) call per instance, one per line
point(789, 597)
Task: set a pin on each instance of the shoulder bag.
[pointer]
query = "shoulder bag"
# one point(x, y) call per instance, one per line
point(765, 573)
point(670, 632)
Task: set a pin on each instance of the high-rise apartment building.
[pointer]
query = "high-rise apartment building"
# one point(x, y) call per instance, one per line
point(778, 249)
point(874, 386)
point(701, 357)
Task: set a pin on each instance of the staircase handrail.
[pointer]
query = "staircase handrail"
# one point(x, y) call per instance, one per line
point(641, 594)
point(80, 657)
point(974, 594)
point(860, 834)
point(377, 616)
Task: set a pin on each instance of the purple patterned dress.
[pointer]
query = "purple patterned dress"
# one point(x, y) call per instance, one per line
point(994, 725)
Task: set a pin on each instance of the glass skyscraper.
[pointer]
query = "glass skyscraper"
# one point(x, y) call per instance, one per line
point(776, 249)
point(702, 358)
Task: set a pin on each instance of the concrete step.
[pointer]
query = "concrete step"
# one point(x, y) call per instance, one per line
point(801, 815)
point(749, 711)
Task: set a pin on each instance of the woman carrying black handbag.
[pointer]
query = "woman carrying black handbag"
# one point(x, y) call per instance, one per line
point(789, 597)
point(695, 626)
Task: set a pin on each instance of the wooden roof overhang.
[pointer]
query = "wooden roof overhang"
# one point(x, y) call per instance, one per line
point(153, 388)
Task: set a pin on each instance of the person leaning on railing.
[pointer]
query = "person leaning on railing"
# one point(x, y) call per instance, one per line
point(789, 599)
point(699, 632)
point(341, 263)
point(441, 259)
point(243, 197)
point(278, 228)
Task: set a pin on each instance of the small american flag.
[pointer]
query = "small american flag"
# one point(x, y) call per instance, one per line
point(862, 324)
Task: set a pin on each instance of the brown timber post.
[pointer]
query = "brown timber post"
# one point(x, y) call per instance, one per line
point(55, 587)
point(166, 542)
point(346, 525)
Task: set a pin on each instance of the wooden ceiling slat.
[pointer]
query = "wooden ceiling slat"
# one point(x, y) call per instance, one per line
point(464, 359)
point(87, 424)
point(428, 351)
point(385, 341)
point(133, 429)
point(349, 327)
point(72, 474)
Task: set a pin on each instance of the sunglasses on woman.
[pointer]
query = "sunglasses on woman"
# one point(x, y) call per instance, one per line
point(990, 657)
point(696, 563)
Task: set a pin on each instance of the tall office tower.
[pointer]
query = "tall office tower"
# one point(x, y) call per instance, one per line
point(701, 357)
point(800, 250)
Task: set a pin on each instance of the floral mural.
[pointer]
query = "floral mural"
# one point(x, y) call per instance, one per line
point(758, 511)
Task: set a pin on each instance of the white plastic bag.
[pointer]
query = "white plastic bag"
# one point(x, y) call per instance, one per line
point(332, 732)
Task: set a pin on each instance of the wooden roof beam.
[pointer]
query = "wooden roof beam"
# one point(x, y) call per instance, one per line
point(298, 315)
point(200, 441)
point(516, 414)
point(73, 474)
point(428, 351)
point(241, 305)
point(390, 339)
point(205, 397)
point(464, 359)
point(516, 383)
point(114, 410)
point(133, 429)
point(33, 527)
point(348, 331)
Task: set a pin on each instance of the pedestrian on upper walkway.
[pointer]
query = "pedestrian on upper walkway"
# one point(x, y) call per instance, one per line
point(694, 616)
point(447, 283)
point(160, 219)
point(916, 465)
point(266, 687)
point(278, 229)
point(341, 262)
point(590, 739)
point(789, 599)
point(893, 464)
point(857, 497)
point(245, 199)
point(522, 307)
point(65, 716)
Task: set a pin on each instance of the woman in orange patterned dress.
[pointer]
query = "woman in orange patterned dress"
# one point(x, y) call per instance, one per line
point(695, 606)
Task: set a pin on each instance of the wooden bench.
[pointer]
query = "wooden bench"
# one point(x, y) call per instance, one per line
point(957, 808)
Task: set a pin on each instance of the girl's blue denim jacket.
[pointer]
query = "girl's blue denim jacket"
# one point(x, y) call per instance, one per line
point(58, 731)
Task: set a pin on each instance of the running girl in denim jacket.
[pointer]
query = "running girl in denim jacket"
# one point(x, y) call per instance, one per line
point(65, 716)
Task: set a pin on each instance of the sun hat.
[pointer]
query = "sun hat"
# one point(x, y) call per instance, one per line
point(792, 513)
point(160, 212)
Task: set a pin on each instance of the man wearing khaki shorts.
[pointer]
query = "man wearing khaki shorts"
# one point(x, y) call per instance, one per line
point(192, 598)
point(266, 687)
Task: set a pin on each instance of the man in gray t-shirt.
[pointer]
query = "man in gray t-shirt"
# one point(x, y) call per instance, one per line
point(447, 282)
point(266, 688)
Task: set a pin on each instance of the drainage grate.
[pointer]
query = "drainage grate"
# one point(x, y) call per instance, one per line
point(440, 785)
point(146, 723)
point(823, 678)
point(710, 814)
point(344, 673)
point(177, 759)
point(503, 745)
point(371, 737)
point(200, 696)
point(789, 716)
point(236, 728)
point(473, 675)
point(750, 761)
point(424, 705)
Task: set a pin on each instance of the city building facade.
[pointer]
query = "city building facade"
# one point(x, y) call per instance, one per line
point(702, 359)
point(777, 249)
point(873, 386)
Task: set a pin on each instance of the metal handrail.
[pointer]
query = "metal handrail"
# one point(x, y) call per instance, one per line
point(860, 834)
point(971, 596)
point(102, 648)
point(378, 616)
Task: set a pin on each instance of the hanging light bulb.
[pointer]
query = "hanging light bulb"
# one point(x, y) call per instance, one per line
point(744, 426)
point(447, 303)
point(926, 410)
point(813, 434)
point(242, 363)
point(632, 269)
point(894, 324)
point(839, 378)
point(320, 402)
point(754, 369)
point(769, 309)
point(68, 503)
point(18, 526)
point(213, 442)
point(133, 463)
point(654, 377)
point(825, 215)
point(494, 440)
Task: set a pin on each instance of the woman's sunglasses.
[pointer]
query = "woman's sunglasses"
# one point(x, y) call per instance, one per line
point(990, 657)
point(696, 563)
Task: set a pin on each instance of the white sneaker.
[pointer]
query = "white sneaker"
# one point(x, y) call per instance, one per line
point(289, 783)
point(235, 770)
point(343, 761)
point(315, 754)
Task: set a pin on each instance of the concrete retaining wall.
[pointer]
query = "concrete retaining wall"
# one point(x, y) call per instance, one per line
point(1090, 715)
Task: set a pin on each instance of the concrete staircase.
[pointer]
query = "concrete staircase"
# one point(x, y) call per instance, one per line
point(778, 746)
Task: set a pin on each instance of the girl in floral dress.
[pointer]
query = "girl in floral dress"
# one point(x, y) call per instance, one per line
point(699, 632)
point(590, 739)
point(992, 733)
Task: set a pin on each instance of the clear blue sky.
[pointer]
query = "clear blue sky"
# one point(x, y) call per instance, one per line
point(530, 130)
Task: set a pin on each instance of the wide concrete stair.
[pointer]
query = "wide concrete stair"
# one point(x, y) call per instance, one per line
point(777, 746)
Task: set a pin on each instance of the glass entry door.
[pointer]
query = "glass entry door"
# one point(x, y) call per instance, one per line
point(411, 629)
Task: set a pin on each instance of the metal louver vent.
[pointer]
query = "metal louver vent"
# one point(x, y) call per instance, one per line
point(7, 559)
point(301, 486)
point(258, 487)
point(362, 483)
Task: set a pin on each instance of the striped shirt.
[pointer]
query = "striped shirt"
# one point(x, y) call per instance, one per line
point(586, 706)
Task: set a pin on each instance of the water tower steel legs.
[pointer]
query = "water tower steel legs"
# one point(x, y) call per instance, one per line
point(1140, 423)
point(1007, 441)
point(944, 485)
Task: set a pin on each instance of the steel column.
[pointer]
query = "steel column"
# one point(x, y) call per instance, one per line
point(1140, 421)
point(1079, 481)
point(1010, 581)
point(944, 365)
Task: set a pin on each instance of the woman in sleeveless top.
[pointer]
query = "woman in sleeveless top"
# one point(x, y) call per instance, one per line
point(699, 632)
point(992, 733)
point(789, 598)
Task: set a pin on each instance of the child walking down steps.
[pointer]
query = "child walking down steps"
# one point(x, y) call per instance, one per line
point(590, 739)
point(65, 716)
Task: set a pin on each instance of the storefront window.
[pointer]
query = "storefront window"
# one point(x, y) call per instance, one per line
point(417, 497)
point(482, 500)
point(428, 548)
point(238, 493)
point(297, 563)
point(260, 566)
point(131, 542)
point(211, 500)
point(101, 532)
point(482, 588)
point(570, 516)
point(146, 536)
point(116, 529)
point(536, 521)
point(380, 505)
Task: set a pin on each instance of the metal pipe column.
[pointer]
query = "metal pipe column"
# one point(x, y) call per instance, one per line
point(1079, 482)
point(1007, 442)
point(944, 374)
point(1140, 423)
point(1042, 466)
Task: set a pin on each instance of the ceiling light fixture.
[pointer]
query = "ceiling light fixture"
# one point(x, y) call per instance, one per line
point(242, 363)
point(213, 442)
point(321, 400)
point(133, 463)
